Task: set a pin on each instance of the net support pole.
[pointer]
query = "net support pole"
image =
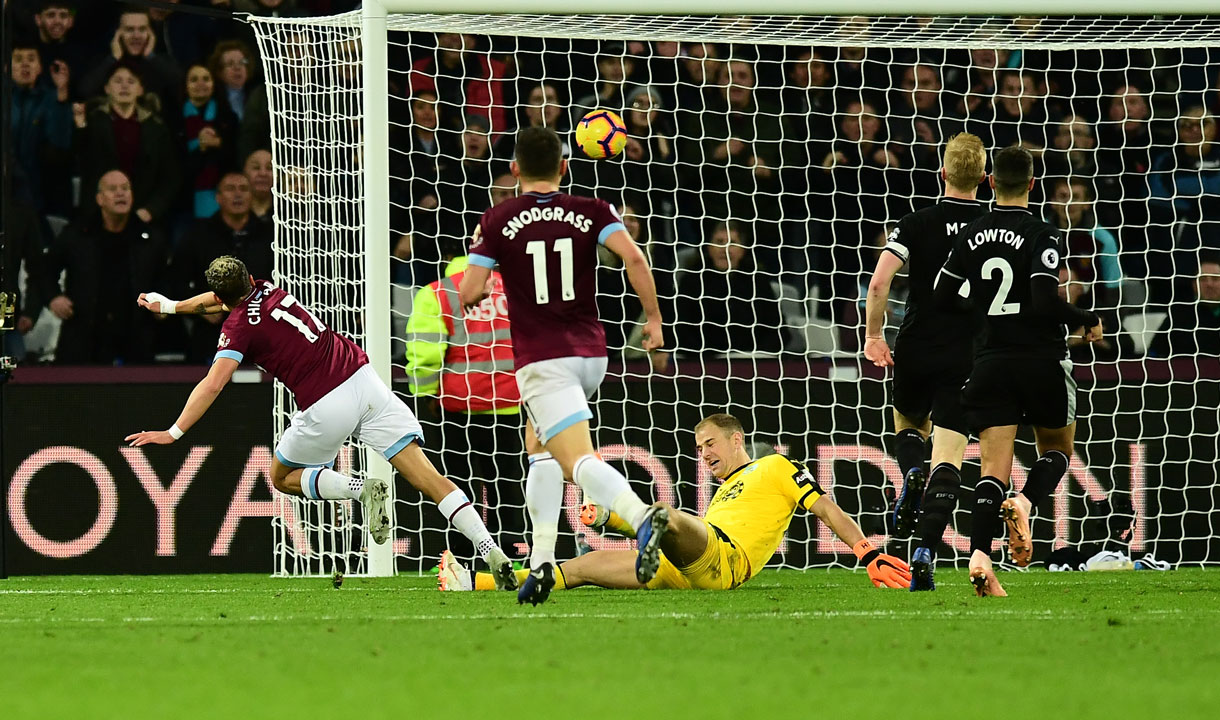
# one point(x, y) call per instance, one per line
point(375, 178)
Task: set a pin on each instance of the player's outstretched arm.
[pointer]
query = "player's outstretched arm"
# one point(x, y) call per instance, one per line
point(202, 304)
point(640, 277)
point(197, 404)
point(883, 570)
point(875, 348)
point(1045, 300)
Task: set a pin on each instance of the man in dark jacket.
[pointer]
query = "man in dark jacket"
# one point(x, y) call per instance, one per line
point(728, 306)
point(233, 230)
point(1193, 328)
point(109, 258)
point(41, 120)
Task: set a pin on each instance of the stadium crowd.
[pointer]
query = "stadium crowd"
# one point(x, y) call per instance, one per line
point(762, 181)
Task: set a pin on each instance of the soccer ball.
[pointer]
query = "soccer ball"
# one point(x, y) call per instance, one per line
point(601, 134)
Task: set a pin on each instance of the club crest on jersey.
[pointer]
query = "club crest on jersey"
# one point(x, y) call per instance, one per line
point(548, 214)
point(1050, 258)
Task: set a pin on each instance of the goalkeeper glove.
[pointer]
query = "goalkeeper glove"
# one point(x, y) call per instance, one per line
point(884, 570)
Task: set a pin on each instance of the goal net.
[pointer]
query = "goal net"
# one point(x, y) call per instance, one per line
point(768, 159)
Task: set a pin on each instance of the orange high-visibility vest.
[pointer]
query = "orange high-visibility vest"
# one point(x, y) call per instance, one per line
point(478, 372)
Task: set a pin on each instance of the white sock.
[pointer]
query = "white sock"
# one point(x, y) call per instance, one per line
point(325, 484)
point(544, 498)
point(607, 487)
point(461, 514)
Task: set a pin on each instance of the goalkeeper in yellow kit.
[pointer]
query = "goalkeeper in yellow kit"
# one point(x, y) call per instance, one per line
point(744, 524)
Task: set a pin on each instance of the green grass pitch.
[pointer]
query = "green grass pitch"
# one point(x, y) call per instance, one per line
point(822, 644)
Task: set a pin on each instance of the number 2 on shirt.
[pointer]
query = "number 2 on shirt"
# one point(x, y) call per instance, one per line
point(998, 306)
point(542, 290)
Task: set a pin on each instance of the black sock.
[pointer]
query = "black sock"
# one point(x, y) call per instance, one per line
point(939, 502)
point(910, 449)
point(1044, 476)
point(985, 521)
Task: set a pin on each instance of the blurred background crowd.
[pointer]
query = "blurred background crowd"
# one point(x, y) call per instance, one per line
point(761, 180)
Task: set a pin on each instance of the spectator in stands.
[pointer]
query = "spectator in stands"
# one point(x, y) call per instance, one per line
point(259, 172)
point(235, 68)
point(107, 259)
point(917, 128)
point(860, 69)
point(41, 122)
point(659, 68)
point(416, 164)
point(1185, 180)
point(1092, 251)
point(1124, 157)
point(1073, 149)
point(503, 187)
point(1081, 292)
point(233, 230)
point(23, 245)
point(135, 47)
point(1194, 327)
point(856, 176)
point(544, 107)
point(122, 134)
point(464, 82)
point(464, 185)
point(54, 20)
point(612, 86)
point(807, 98)
point(650, 170)
point(184, 36)
point(1124, 147)
point(619, 309)
point(1015, 115)
point(734, 147)
point(978, 82)
point(697, 73)
point(208, 136)
point(727, 305)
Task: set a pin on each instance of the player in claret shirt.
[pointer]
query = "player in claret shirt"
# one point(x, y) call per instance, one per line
point(545, 243)
point(338, 395)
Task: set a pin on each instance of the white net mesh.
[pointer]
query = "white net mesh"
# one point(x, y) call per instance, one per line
point(319, 254)
point(794, 143)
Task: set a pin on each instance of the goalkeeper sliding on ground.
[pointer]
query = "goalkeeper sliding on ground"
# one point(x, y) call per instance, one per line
point(744, 524)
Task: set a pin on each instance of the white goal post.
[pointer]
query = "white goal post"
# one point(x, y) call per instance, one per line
point(337, 104)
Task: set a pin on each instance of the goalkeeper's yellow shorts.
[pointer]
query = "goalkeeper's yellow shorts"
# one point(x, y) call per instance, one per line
point(722, 566)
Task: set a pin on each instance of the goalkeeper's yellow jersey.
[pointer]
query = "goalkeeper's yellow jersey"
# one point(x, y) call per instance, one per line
point(755, 504)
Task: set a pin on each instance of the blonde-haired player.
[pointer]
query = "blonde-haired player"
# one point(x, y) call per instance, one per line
point(743, 527)
point(932, 356)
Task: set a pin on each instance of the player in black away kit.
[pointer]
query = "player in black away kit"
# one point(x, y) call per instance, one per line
point(932, 356)
point(1021, 374)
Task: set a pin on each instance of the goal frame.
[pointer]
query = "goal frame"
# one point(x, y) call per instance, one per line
point(374, 19)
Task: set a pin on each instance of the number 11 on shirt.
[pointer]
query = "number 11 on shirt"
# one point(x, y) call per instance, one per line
point(542, 291)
